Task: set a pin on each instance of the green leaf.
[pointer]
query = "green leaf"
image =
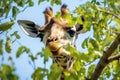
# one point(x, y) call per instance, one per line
point(7, 73)
point(8, 45)
point(1, 47)
point(5, 26)
point(20, 2)
point(1, 74)
point(90, 70)
point(73, 51)
point(16, 34)
point(9, 58)
point(55, 72)
point(58, 16)
point(46, 53)
point(15, 11)
point(21, 50)
point(52, 2)
point(39, 74)
point(39, 1)
point(7, 9)
point(58, 2)
point(31, 3)
point(66, 73)
point(32, 57)
point(79, 10)
point(1, 12)
point(69, 75)
point(85, 43)
point(6, 69)
point(77, 65)
point(94, 43)
point(70, 18)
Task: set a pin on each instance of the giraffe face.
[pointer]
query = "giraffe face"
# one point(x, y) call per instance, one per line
point(57, 36)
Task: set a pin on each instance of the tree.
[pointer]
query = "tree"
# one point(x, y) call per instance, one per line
point(101, 61)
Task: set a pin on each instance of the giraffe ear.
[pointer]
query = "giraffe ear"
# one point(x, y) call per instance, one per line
point(29, 28)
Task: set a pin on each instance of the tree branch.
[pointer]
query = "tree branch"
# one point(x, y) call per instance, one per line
point(112, 58)
point(104, 59)
point(111, 13)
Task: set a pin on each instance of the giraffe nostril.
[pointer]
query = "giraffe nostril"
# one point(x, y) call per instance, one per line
point(51, 39)
point(55, 39)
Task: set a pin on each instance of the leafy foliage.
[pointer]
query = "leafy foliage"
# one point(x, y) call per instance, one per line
point(8, 45)
point(6, 73)
point(102, 19)
point(5, 26)
point(21, 50)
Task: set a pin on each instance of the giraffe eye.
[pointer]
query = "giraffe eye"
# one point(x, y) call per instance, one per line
point(71, 32)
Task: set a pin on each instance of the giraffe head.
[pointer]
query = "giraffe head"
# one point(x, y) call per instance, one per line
point(55, 34)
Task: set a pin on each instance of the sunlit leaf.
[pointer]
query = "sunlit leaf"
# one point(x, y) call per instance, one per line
point(55, 72)
point(8, 45)
point(117, 21)
point(21, 50)
point(91, 69)
point(94, 44)
point(5, 26)
point(72, 75)
point(66, 73)
point(77, 66)
point(46, 54)
point(73, 51)
point(69, 19)
point(85, 43)
point(79, 10)
point(116, 66)
point(39, 74)
point(58, 16)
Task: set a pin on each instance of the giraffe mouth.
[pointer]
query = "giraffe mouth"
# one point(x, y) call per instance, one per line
point(54, 46)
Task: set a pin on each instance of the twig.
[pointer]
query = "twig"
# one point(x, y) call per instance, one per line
point(111, 13)
point(112, 58)
point(34, 65)
point(104, 59)
point(24, 8)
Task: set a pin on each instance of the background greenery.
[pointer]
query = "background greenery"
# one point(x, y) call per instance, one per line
point(101, 17)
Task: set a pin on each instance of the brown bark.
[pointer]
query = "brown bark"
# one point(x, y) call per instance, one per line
point(115, 57)
point(105, 58)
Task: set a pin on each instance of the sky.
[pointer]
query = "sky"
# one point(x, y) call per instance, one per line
point(35, 14)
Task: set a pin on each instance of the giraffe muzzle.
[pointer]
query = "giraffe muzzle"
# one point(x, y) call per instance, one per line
point(55, 47)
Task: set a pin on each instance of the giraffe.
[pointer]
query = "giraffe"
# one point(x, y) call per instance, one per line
point(56, 35)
